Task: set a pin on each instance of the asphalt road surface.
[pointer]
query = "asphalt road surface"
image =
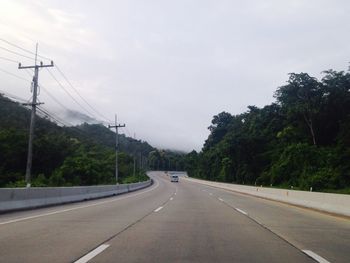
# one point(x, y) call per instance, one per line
point(174, 222)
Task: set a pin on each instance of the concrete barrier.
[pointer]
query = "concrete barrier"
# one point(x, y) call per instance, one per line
point(25, 198)
point(330, 203)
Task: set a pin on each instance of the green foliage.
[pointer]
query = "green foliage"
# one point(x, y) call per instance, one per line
point(87, 166)
point(302, 140)
point(141, 176)
point(305, 166)
point(166, 160)
point(62, 156)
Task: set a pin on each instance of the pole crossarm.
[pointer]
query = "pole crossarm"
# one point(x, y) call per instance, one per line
point(31, 104)
point(41, 65)
point(116, 126)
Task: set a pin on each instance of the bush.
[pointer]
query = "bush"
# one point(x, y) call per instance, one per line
point(305, 166)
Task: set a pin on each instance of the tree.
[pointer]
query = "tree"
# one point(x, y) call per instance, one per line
point(302, 96)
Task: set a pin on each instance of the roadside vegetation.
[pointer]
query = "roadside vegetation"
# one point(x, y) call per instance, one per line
point(63, 156)
point(302, 140)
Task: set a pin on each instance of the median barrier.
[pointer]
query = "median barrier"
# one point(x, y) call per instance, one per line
point(26, 198)
point(331, 203)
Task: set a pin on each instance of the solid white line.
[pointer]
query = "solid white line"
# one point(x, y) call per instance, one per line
point(76, 208)
point(222, 200)
point(241, 211)
point(158, 209)
point(315, 256)
point(92, 254)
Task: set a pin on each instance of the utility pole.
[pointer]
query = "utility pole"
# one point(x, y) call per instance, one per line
point(134, 158)
point(33, 112)
point(141, 166)
point(116, 126)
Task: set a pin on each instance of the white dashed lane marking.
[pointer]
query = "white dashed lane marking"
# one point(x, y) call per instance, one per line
point(315, 256)
point(241, 211)
point(92, 254)
point(158, 209)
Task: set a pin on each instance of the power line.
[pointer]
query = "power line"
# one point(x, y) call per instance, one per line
point(65, 123)
point(52, 97)
point(16, 53)
point(19, 99)
point(59, 70)
point(68, 93)
point(14, 75)
point(45, 112)
point(10, 60)
point(23, 49)
point(127, 131)
point(70, 84)
point(54, 117)
point(11, 96)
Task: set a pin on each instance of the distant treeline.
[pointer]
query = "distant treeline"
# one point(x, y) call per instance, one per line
point(300, 140)
point(63, 156)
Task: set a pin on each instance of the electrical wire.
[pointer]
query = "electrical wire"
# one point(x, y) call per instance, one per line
point(68, 93)
point(52, 116)
point(52, 75)
point(53, 98)
point(59, 120)
point(14, 75)
point(87, 103)
point(16, 53)
point(23, 49)
point(10, 60)
point(127, 131)
point(11, 96)
point(60, 71)
point(41, 87)
point(44, 112)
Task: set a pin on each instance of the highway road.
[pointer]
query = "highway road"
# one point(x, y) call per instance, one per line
point(174, 222)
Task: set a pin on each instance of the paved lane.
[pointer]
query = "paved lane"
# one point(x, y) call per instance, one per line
point(65, 233)
point(173, 222)
point(195, 227)
point(325, 235)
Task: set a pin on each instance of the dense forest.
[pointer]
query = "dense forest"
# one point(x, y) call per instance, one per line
point(64, 156)
point(166, 160)
point(302, 140)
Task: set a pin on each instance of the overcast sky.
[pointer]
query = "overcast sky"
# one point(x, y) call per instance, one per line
point(167, 67)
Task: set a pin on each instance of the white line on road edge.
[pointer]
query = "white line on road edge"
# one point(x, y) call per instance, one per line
point(222, 200)
point(315, 256)
point(241, 211)
point(76, 208)
point(92, 254)
point(158, 209)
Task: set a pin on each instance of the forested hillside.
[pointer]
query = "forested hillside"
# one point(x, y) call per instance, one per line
point(81, 155)
point(300, 140)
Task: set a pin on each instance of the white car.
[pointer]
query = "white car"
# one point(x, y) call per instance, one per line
point(174, 178)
